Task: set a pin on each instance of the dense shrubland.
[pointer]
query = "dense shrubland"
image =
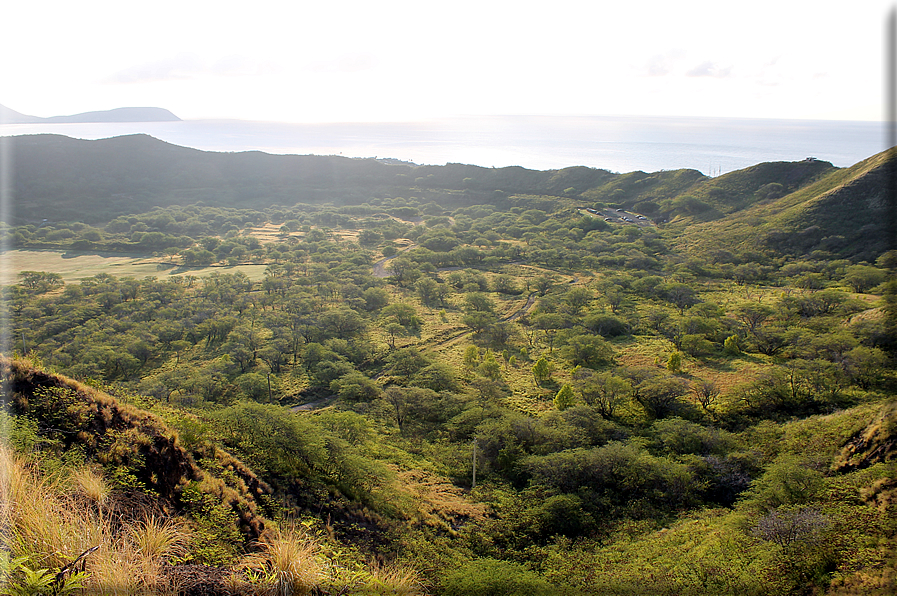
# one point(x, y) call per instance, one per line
point(640, 418)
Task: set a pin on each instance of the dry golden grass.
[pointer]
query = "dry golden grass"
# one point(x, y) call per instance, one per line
point(89, 483)
point(44, 522)
point(393, 578)
point(269, 232)
point(872, 314)
point(289, 560)
point(438, 502)
point(159, 538)
point(52, 521)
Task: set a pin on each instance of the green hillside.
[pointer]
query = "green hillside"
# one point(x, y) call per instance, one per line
point(95, 181)
point(467, 382)
point(846, 212)
point(129, 174)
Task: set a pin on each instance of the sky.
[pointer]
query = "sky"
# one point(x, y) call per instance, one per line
point(392, 61)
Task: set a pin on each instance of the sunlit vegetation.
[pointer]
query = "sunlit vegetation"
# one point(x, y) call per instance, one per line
point(493, 396)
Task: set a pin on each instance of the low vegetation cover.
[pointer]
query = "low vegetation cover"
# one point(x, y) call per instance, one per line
point(450, 393)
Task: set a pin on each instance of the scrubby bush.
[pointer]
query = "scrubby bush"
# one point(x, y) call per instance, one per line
point(491, 577)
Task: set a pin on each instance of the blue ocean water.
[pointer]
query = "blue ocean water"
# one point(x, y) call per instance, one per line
point(619, 143)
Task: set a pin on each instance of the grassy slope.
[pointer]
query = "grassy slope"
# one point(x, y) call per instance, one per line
point(714, 551)
point(740, 189)
point(69, 179)
point(74, 416)
point(848, 202)
point(634, 189)
point(78, 445)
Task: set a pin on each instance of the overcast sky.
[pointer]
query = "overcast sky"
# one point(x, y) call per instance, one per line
point(352, 61)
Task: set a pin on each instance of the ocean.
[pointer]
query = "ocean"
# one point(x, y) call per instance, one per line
point(620, 143)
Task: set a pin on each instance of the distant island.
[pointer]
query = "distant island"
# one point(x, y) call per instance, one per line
point(8, 116)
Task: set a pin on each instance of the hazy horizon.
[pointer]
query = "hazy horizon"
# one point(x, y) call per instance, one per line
point(617, 143)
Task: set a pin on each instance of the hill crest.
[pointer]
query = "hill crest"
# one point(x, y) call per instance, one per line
point(128, 114)
point(71, 414)
point(841, 211)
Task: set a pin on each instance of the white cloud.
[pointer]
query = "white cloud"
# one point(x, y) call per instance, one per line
point(661, 64)
point(709, 69)
point(658, 66)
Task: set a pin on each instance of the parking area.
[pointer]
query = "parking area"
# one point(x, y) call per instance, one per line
point(618, 216)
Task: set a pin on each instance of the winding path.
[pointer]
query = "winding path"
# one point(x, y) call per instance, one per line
point(380, 266)
point(523, 309)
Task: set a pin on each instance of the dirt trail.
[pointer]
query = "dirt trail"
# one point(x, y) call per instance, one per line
point(314, 405)
point(442, 341)
point(524, 309)
point(380, 266)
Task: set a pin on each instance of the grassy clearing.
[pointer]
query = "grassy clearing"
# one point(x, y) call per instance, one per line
point(74, 267)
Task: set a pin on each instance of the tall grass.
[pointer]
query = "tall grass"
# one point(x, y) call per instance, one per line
point(289, 560)
point(49, 522)
point(91, 484)
point(393, 578)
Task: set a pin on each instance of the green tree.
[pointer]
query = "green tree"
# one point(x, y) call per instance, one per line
point(393, 331)
point(427, 290)
point(406, 362)
point(505, 284)
point(254, 386)
point(355, 387)
point(864, 277)
point(588, 350)
point(407, 403)
point(660, 395)
point(603, 391)
point(41, 281)
point(542, 370)
point(577, 298)
point(865, 366)
point(478, 321)
point(551, 324)
point(375, 298)
point(565, 398)
point(674, 362)
point(369, 238)
point(403, 271)
point(404, 314)
point(681, 295)
point(789, 480)
point(342, 322)
point(543, 284)
point(489, 367)
point(730, 345)
point(478, 302)
point(471, 356)
point(438, 376)
point(614, 299)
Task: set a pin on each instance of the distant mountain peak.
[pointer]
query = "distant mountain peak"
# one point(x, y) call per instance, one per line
point(8, 116)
